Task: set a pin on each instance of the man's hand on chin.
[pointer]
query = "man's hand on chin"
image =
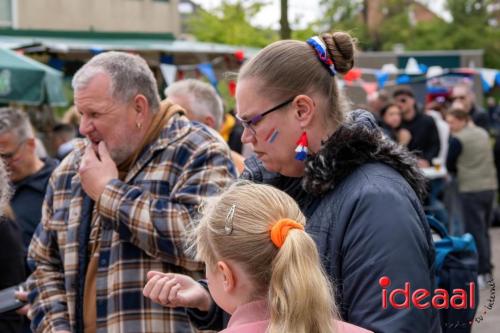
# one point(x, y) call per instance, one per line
point(96, 170)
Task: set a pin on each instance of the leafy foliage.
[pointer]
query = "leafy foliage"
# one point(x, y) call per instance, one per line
point(230, 24)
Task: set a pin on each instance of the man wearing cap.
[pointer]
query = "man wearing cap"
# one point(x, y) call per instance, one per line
point(424, 134)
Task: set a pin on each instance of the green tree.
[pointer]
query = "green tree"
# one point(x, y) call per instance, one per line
point(230, 24)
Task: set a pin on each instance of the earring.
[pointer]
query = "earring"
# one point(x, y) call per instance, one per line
point(139, 125)
point(301, 150)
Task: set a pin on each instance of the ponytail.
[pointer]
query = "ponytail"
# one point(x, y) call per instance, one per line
point(261, 228)
point(300, 295)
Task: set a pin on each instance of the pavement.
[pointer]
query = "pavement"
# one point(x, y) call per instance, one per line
point(491, 319)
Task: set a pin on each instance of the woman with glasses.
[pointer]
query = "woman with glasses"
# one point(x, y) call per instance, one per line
point(360, 192)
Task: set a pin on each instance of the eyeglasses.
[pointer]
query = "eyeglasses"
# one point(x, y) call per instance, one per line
point(250, 124)
point(9, 156)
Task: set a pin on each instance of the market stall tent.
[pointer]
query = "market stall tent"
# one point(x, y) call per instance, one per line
point(26, 81)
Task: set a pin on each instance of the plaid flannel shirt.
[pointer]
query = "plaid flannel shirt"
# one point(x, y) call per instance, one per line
point(142, 220)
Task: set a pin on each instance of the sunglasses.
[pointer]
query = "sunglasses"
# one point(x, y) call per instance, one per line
point(250, 124)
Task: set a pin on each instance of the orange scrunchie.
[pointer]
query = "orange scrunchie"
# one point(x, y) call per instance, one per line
point(280, 229)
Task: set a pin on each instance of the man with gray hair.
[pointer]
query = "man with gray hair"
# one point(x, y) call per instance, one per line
point(202, 104)
point(119, 204)
point(29, 174)
point(199, 99)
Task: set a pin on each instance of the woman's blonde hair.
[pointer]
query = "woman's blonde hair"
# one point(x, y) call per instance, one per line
point(236, 226)
point(288, 68)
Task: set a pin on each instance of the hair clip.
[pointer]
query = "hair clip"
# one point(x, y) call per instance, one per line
point(228, 225)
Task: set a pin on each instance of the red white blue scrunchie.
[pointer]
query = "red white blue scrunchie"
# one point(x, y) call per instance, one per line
point(322, 53)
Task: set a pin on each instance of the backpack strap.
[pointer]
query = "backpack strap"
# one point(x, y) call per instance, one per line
point(437, 226)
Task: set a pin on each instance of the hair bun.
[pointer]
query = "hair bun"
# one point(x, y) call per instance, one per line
point(341, 47)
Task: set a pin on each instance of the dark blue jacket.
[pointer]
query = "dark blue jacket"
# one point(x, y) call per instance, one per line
point(362, 196)
point(28, 198)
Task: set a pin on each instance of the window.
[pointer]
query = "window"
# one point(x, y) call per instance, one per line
point(6, 13)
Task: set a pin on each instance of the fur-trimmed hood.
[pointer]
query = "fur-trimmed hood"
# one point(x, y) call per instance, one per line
point(357, 141)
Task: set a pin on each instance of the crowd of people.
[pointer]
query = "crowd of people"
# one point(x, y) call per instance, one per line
point(456, 134)
point(113, 233)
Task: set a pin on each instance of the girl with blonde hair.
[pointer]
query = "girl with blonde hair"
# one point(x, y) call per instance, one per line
point(261, 266)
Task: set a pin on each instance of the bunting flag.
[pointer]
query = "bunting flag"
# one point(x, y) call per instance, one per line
point(169, 73)
point(353, 75)
point(370, 87)
point(434, 71)
point(208, 70)
point(232, 88)
point(403, 79)
point(382, 78)
point(412, 67)
point(488, 77)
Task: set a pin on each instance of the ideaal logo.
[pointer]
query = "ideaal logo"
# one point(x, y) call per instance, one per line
point(440, 299)
point(4, 82)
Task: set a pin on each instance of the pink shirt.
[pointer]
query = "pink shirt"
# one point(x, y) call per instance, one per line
point(253, 317)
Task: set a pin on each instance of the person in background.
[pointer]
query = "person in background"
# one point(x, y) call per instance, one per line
point(73, 118)
point(424, 133)
point(11, 254)
point(118, 205)
point(464, 98)
point(261, 266)
point(202, 104)
point(493, 113)
point(390, 116)
point(63, 136)
point(29, 174)
point(437, 109)
point(470, 157)
point(377, 101)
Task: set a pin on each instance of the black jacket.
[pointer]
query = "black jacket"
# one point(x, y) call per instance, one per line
point(362, 196)
point(13, 273)
point(480, 117)
point(424, 136)
point(28, 197)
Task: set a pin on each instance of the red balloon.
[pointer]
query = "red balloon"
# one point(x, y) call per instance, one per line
point(239, 55)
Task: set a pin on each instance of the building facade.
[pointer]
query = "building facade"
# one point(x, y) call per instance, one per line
point(92, 15)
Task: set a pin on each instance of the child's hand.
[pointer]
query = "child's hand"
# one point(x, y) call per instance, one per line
point(176, 290)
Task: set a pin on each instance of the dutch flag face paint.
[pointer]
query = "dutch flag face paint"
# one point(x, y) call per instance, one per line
point(272, 136)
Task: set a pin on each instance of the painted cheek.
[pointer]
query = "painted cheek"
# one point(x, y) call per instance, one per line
point(272, 135)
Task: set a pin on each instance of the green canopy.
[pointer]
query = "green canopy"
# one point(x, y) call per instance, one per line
point(27, 81)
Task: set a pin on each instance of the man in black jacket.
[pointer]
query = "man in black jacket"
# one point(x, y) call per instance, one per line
point(28, 173)
point(424, 134)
